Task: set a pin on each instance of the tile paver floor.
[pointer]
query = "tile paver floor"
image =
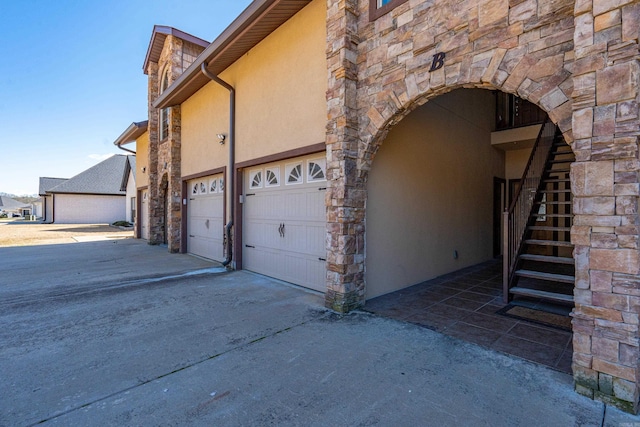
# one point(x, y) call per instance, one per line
point(463, 304)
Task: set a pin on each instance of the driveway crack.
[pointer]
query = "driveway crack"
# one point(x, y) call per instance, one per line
point(183, 368)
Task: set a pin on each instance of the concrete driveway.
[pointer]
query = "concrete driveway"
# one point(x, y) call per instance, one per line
point(122, 333)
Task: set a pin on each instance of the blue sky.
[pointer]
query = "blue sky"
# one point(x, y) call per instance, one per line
point(71, 79)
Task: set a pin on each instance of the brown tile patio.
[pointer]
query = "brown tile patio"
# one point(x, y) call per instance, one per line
point(464, 304)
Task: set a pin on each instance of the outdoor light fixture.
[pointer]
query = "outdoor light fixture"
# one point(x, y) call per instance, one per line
point(221, 138)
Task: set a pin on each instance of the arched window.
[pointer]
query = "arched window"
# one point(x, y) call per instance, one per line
point(164, 113)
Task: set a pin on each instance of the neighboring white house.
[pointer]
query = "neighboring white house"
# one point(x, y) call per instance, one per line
point(12, 206)
point(37, 208)
point(45, 185)
point(91, 197)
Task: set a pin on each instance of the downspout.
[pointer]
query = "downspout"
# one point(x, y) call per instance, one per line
point(232, 158)
point(126, 149)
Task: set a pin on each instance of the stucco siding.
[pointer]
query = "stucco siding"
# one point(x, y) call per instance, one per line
point(88, 209)
point(142, 161)
point(280, 97)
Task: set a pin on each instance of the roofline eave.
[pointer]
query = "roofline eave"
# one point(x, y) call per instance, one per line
point(133, 132)
point(192, 79)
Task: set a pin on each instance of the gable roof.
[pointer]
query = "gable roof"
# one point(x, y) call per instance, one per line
point(255, 23)
point(7, 203)
point(47, 184)
point(129, 167)
point(159, 35)
point(104, 178)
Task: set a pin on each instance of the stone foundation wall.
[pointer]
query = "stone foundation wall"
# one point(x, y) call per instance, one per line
point(576, 60)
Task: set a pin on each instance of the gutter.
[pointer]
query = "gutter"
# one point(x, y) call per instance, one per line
point(133, 132)
point(126, 149)
point(232, 158)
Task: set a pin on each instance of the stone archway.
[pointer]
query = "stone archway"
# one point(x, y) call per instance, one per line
point(357, 130)
point(576, 60)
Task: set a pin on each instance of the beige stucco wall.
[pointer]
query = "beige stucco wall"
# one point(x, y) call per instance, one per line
point(142, 160)
point(516, 161)
point(280, 97)
point(430, 193)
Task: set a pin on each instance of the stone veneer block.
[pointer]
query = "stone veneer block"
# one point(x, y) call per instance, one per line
point(592, 178)
point(617, 83)
point(631, 22)
point(616, 260)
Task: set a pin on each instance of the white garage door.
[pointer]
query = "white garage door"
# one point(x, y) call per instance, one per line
point(144, 219)
point(284, 221)
point(205, 217)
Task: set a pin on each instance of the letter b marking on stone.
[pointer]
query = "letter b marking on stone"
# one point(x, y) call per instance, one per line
point(438, 61)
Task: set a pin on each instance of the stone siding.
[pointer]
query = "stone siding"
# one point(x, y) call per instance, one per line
point(577, 60)
point(605, 188)
point(164, 156)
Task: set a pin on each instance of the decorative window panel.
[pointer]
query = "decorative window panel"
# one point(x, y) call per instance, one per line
point(272, 176)
point(316, 170)
point(255, 179)
point(293, 173)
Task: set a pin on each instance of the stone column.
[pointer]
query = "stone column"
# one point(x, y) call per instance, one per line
point(155, 224)
point(345, 194)
point(174, 191)
point(606, 187)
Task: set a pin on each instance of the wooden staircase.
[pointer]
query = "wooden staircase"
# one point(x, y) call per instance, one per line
point(540, 262)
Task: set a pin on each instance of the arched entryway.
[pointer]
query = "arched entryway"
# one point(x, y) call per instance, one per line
point(431, 231)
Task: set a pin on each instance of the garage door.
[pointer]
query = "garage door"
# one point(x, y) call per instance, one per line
point(284, 221)
point(144, 219)
point(205, 217)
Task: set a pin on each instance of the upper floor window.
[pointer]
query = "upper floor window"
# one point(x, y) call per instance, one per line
point(164, 113)
point(377, 8)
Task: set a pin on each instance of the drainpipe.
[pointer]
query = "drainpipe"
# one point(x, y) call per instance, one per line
point(232, 158)
point(126, 149)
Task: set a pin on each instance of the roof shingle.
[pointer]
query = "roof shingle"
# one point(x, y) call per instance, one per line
point(103, 178)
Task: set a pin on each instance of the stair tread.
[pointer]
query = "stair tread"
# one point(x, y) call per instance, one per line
point(568, 202)
point(567, 191)
point(553, 296)
point(547, 258)
point(548, 243)
point(557, 180)
point(553, 277)
point(553, 215)
point(548, 228)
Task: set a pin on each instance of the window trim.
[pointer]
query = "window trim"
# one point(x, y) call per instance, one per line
point(376, 12)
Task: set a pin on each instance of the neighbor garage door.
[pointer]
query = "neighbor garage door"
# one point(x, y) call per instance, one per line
point(284, 221)
point(205, 217)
